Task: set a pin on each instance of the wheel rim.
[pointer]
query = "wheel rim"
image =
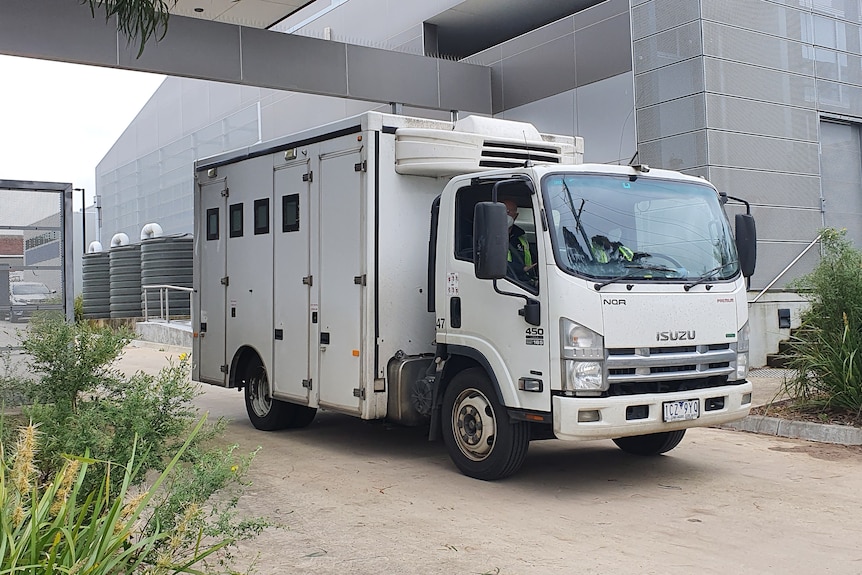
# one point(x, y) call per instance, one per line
point(474, 425)
point(259, 398)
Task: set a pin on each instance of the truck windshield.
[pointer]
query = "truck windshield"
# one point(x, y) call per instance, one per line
point(612, 228)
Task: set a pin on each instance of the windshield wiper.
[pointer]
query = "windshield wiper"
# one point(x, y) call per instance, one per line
point(599, 285)
point(706, 276)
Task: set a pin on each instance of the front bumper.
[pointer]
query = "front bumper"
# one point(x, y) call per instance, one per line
point(612, 420)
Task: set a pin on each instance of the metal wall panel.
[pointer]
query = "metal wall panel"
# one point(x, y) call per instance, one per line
point(762, 118)
point(787, 224)
point(535, 79)
point(681, 152)
point(658, 15)
point(764, 17)
point(668, 47)
point(757, 49)
point(763, 153)
point(530, 40)
point(601, 11)
point(291, 61)
point(773, 257)
point(671, 118)
point(746, 81)
point(838, 66)
point(762, 187)
point(839, 98)
point(668, 83)
point(603, 50)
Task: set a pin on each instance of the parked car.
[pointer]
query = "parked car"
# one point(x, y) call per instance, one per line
point(25, 298)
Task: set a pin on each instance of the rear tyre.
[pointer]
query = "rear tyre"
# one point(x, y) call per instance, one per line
point(265, 413)
point(481, 439)
point(652, 444)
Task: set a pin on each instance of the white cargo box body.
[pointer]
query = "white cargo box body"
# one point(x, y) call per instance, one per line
point(311, 252)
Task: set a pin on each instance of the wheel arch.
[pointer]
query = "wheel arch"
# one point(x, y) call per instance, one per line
point(459, 358)
point(244, 357)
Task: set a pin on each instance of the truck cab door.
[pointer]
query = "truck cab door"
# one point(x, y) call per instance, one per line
point(483, 321)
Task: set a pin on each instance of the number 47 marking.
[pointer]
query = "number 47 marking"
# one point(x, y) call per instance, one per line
point(441, 322)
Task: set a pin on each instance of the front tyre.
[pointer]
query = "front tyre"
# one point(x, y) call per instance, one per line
point(481, 439)
point(652, 444)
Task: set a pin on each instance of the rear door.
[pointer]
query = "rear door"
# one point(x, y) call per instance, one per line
point(342, 269)
point(211, 242)
point(293, 283)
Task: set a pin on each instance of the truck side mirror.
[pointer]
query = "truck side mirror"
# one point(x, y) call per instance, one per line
point(490, 240)
point(746, 243)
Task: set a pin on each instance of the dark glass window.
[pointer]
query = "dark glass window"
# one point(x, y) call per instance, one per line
point(236, 221)
point(212, 224)
point(290, 213)
point(261, 216)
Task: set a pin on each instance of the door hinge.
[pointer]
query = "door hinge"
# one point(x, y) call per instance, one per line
point(225, 281)
point(308, 280)
point(361, 166)
point(225, 193)
point(359, 392)
point(223, 368)
point(308, 177)
point(359, 280)
point(306, 383)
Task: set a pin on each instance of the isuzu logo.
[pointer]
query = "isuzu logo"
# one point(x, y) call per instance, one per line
point(679, 335)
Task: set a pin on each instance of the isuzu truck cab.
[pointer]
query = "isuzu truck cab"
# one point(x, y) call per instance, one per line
point(474, 277)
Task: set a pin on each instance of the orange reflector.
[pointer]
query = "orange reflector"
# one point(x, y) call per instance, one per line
point(355, 353)
point(358, 138)
point(534, 417)
point(194, 334)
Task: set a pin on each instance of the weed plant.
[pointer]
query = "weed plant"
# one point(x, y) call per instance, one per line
point(60, 527)
point(827, 349)
point(81, 404)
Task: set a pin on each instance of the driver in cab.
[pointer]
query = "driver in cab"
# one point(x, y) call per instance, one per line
point(604, 250)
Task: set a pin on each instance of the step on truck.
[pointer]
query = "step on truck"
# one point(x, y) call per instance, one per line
point(472, 276)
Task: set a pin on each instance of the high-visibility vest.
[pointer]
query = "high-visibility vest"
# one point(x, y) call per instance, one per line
point(528, 258)
point(602, 256)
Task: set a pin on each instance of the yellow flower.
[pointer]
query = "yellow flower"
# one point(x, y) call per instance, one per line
point(184, 356)
point(234, 468)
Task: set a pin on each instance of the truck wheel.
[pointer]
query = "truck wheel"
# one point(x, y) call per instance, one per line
point(299, 416)
point(652, 444)
point(265, 413)
point(481, 440)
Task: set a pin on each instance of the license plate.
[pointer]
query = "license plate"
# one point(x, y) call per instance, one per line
point(681, 410)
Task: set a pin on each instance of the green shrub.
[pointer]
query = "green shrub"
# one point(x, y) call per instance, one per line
point(826, 349)
point(83, 404)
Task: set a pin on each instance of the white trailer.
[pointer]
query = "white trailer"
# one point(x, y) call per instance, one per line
point(365, 267)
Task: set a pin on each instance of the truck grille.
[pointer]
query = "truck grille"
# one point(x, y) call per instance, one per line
point(669, 369)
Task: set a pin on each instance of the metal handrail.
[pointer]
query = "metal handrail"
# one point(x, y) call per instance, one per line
point(790, 265)
point(164, 299)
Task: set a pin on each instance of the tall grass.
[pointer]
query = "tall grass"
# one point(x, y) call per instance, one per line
point(826, 350)
point(60, 528)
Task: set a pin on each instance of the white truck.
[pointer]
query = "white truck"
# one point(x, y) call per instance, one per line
point(365, 267)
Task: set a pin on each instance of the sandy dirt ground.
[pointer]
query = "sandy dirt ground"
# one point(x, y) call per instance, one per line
point(355, 497)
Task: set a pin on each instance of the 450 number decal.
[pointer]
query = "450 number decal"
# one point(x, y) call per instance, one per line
point(535, 336)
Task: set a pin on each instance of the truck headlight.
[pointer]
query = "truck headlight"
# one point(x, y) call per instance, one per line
point(579, 342)
point(742, 346)
point(583, 355)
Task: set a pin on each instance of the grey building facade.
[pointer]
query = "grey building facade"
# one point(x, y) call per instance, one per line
point(762, 97)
